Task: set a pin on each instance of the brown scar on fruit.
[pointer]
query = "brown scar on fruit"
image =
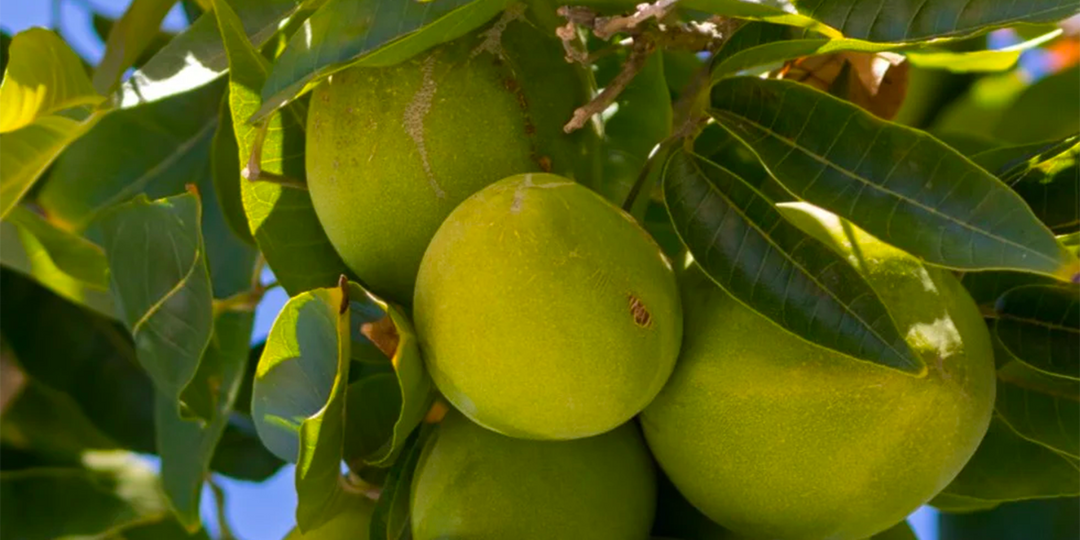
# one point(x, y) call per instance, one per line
point(641, 314)
point(493, 36)
point(383, 333)
point(413, 120)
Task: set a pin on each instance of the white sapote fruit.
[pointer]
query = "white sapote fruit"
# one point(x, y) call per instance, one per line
point(545, 312)
point(392, 150)
point(474, 484)
point(774, 437)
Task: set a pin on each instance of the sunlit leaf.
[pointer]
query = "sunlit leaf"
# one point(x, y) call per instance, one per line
point(899, 184)
point(1048, 109)
point(281, 218)
point(127, 40)
point(43, 76)
point(744, 244)
point(378, 32)
point(976, 61)
point(225, 160)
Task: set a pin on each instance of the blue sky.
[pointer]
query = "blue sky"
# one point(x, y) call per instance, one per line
point(255, 511)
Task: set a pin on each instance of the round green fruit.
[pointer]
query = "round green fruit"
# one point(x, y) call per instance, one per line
point(392, 150)
point(474, 484)
point(351, 523)
point(545, 312)
point(773, 437)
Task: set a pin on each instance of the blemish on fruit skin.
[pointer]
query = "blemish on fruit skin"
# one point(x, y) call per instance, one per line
point(413, 120)
point(493, 36)
point(519, 194)
point(641, 314)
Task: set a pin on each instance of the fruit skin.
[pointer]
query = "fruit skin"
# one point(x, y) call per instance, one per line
point(773, 437)
point(545, 312)
point(474, 484)
point(352, 523)
point(391, 151)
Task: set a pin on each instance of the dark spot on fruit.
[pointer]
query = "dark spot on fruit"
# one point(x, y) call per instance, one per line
point(641, 314)
point(545, 163)
point(530, 129)
point(510, 84)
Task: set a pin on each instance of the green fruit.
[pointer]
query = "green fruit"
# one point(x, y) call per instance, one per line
point(773, 437)
point(474, 484)
point(351, 523)
point(391, 151)
point(545, 312)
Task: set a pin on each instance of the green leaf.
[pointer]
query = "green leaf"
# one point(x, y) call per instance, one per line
point(896, 20)
point(103, 25)
point(899, 184)
point(111, 491)
point(70, 265)
point(1040, 326)
point(156, 149)
point(50, 423)
point(1050, 184)
point(1048, 109)
point(298, 401)
point(390, 520)
point(1040, 408)
point(977, 61)
point(1007, 467)
point(225, 160)
point(44, 76)
point(91, 363)
point(127, 40)
point(197, 56)
point(900, 531)
point(282, 219)
point(26, 152)
point(187, 446)
point(745, 245)
point(1053, 519)
point(162, 286)
point(382, 331)
point(378, 32)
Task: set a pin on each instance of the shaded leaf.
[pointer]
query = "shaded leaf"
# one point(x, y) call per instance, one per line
point(197, 56)
point(225, 160)
point(1040, 408)
point(187, 446)
point(897, 183)
point(391, 518)
point(745, 245)
point(103, 26)
point(1054, 519)
point(1006, 467)
point(977, 61)
point(240, 454)
point(282, 219)
point(155, 150)
point(162, 287)
point(894, 21)
point(1040, 326)
point(111, 491)
point(1050, 184)
point(44, 76)
point(69, 265)
point(1048, 109)
point(127, 40)
point(900, 531)
point(378, 32)
point(49, 422)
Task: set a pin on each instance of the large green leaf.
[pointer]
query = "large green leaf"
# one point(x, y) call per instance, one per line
point(895, 20)
point(980, 60)
point(44, 76)
point(390, 520)
point(1040, 408)
point(298, 401)
point(112, 490)
point(281, 218)
point(899, 184)
point(187, 446)
point(69, 265)
point(1040, 326)
point(744, 244)
point(162, 287)
point(127, 40)
point(225, 162)
point(103, 25)
point(197, 56)
point(156, 149)
point(378, 32)
point(1007, 467)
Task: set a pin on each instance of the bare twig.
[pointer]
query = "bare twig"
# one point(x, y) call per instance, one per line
point(219, 503)
point(605, 27)
point(639, 54)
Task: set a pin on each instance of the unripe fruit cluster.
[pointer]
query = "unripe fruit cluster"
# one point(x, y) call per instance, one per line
point(550, 319)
